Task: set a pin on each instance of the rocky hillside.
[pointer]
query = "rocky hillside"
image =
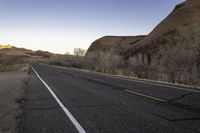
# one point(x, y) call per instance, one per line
point(114, 44)
point(182, 23)
point(172, 49)
point(171, 52)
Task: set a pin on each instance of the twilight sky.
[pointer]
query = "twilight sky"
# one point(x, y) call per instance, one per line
point(59, 26)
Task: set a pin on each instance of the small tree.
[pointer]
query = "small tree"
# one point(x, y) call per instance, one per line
point(79, 52)
point(67, 53)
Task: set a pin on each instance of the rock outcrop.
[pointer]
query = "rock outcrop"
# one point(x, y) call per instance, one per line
point(114, 44)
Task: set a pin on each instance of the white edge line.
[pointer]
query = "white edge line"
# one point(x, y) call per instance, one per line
point(69, 115)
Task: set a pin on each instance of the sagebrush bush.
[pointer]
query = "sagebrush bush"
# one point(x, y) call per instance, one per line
point(103, 62)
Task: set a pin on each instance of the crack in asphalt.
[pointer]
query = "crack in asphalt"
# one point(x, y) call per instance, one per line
point(173, 102)
point(178, 120)
point(178, 98)
point(38, 109)
point(186, 107)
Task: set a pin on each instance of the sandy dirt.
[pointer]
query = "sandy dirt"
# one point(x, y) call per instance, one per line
point(11, 95)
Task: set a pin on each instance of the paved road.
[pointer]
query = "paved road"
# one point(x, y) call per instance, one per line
point(61, 100)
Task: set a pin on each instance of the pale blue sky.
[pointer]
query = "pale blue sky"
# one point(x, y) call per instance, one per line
point(61, 25)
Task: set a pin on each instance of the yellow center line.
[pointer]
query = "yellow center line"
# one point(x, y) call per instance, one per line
point(143, 95)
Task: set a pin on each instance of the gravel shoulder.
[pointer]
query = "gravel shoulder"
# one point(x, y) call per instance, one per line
point(11, 95)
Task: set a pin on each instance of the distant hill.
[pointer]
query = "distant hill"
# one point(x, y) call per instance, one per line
point(25, 55)
point(8, 46)
point(114, 44)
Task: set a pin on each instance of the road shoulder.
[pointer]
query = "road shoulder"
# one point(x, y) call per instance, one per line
point(11, 96)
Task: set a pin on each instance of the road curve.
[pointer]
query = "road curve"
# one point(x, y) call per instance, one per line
point(63, 100)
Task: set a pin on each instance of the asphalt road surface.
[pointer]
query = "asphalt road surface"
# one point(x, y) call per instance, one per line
point(63, 100)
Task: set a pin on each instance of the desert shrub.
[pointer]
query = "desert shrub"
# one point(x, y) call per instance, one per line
point(56, 63)
point(134, 68)
point(13, 67)
point(103, 62)
point(77, 62)
point(180, 54)
point(68, 61)
point(39, 53)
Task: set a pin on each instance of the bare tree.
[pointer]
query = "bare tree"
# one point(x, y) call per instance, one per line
point(79, 52)
point(67, 53)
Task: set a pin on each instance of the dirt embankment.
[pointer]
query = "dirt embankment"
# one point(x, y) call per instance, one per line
point(11, 94)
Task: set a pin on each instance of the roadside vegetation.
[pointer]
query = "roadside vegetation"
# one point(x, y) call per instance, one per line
point(176, 61)
point(12, 64)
